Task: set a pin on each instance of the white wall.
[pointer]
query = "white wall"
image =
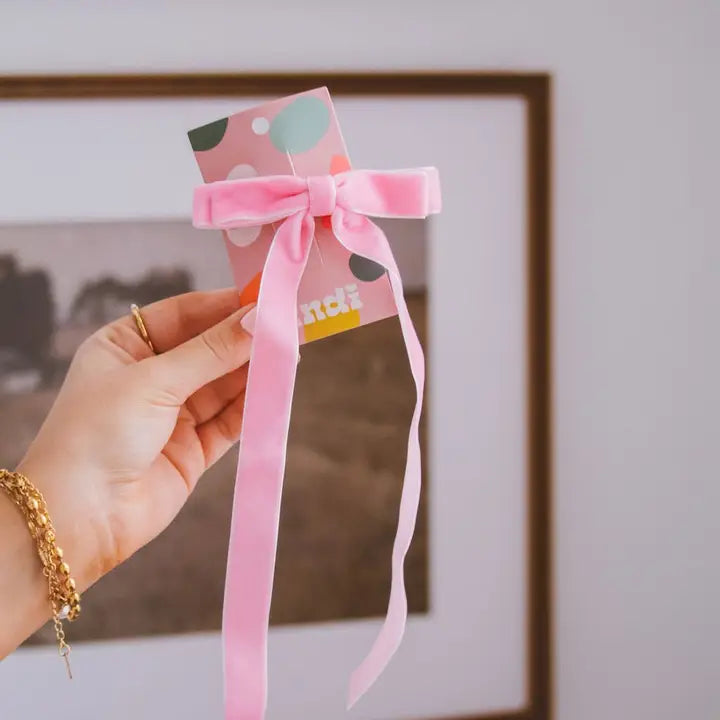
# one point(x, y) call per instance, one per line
point(636, 266)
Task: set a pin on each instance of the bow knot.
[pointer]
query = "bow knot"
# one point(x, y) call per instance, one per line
point(322, 194)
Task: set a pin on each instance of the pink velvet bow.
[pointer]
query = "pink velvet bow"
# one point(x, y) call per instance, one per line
point(348, 198)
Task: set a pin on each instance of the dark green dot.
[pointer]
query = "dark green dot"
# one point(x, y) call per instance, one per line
point(208, 136)
point(365, 269)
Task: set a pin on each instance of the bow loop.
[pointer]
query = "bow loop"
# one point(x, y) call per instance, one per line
point(397, 194)
point(248, 202)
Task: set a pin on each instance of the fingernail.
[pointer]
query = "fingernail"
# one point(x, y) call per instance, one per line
point(248, 322)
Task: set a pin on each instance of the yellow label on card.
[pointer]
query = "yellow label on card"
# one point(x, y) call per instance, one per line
point(332, 325)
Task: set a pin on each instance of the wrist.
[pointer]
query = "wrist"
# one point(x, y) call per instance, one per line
point(23, 589)
point(74, 515)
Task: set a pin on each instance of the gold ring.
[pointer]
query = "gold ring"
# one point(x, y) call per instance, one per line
point(140, 324)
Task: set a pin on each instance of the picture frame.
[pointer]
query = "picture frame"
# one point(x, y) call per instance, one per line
point(533, 92)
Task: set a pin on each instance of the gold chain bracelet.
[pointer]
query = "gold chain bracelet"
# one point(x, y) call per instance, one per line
point(62, 593)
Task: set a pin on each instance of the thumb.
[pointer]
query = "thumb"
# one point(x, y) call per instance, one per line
point(217, 351)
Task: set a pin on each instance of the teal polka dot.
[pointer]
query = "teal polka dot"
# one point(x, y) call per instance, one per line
point(208, 136)
point(301, 125)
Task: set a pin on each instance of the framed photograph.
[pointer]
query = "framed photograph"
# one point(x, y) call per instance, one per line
point(108, 224)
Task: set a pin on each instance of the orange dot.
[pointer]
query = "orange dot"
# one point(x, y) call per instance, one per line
point(249, 294)
point(338, 164)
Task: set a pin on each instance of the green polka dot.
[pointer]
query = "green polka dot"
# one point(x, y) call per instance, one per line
point(208, 136)
point(301, 125)
point(365, 269)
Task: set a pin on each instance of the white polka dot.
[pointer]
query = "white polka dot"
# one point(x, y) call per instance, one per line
point(242, 237)
point(242, 171)
point(260, 125)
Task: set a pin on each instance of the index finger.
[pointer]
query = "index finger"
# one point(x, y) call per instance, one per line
point(174, 320)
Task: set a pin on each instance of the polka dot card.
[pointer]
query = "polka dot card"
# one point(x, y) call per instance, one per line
point(297, 135)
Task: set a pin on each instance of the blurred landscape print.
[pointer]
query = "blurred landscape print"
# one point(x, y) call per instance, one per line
point(352, 406)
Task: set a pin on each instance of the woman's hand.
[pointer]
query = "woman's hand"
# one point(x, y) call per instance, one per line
point(130, 432)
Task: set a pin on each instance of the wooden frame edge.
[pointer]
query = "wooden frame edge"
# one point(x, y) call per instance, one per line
point(57, 87)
